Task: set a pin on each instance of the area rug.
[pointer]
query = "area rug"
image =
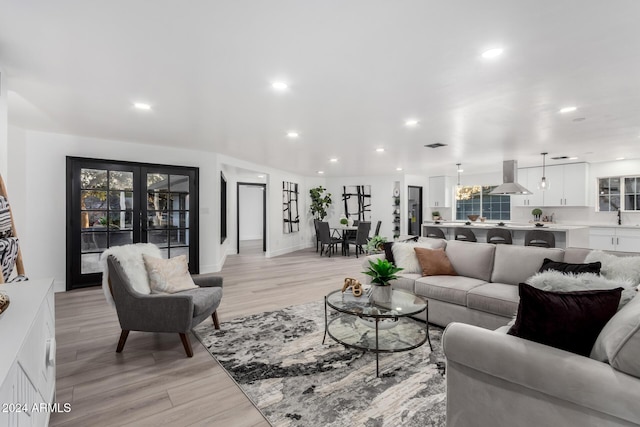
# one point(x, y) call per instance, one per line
point(279, 361)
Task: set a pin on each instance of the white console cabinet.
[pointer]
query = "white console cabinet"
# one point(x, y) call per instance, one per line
point(28, 355)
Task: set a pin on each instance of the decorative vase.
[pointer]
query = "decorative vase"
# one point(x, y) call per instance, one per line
point(350, 222)
point(381, 294)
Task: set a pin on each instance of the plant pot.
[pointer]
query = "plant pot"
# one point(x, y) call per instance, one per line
point(350, 222)
point(381, 294)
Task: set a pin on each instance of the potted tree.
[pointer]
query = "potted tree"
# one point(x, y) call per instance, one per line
point(382, 272)
point(320, 202)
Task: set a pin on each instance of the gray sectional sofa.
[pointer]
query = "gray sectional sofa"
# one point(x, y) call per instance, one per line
point(485, 291)
point(499, 380)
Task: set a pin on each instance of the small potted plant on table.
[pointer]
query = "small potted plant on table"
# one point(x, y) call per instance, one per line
point(382, 272)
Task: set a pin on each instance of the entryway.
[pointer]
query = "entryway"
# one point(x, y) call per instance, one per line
point(251, 218)
point(415, 210)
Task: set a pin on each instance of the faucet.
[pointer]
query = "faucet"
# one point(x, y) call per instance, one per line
point(619, 217)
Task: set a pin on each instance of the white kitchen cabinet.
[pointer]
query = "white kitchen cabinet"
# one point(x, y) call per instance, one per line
point(567, 185)
point(440, 192)
point(27, 359)
point(529, 179)
point(615, 239)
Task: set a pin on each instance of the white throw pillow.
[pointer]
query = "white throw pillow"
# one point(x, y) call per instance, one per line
point(617, 267)
point(168, 276)
point(619, 341)
point(405, 257)
point(557, 281)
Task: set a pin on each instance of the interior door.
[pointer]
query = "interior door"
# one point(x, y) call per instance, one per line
point(112, 203)
point(415, 210)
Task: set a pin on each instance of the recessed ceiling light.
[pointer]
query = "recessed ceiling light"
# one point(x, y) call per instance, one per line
point(279, 85)
point(411, 123)
point(619, 158)
point(568, 109)
point(398, 169)
point(320, 172)
point(333, 160)
point(492, 53)
point(380, 150)
point(142, 106)
point(573, 158)
point(260, 176)
point(293, 134)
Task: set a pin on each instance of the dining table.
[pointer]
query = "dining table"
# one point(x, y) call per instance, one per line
point(342, 230)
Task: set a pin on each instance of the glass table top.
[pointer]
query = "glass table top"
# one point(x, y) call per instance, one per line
point(403, 303)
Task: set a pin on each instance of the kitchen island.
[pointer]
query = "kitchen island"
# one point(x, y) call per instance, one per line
point(565, 235)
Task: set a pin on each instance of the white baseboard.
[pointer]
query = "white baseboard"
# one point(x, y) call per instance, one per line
point(59, 286)
point(271, 254)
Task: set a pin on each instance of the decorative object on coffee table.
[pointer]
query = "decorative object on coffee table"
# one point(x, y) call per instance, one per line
point(354, 285)
point(382, 272)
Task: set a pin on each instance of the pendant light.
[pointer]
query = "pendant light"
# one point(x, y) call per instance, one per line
point(543, 185)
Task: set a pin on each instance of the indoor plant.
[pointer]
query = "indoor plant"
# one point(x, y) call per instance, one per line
point(537, 212)
point(435, 215)
point(319, 202)
point(375, 245)
point(381, 272)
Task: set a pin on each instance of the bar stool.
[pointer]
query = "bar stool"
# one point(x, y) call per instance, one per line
point(434, 232)
point(540, 238)
point(499, 236)
point(464, 234)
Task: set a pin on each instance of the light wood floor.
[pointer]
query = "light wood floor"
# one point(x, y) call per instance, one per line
point(152, 382)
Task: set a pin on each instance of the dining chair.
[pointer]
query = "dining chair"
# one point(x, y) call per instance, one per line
point(326, 240)
point(361, 238)
point(464, 234)
point(499, 236)
point(377, 233)
point(434, 232)
point(540, 238)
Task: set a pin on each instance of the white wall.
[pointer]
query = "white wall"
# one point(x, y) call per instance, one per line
point(4, 125)
point(251, 207)
point(381, 200)
point(38, 170)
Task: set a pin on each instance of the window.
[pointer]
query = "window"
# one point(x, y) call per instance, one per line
point(476, 200)
point(619, 192)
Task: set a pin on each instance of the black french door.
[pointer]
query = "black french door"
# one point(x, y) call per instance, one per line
point(415, 210)
point(111, 203)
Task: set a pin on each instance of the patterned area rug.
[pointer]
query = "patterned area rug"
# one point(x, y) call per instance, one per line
point(278, 359)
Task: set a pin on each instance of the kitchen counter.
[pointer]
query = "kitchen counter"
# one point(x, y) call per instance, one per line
point(565, 235)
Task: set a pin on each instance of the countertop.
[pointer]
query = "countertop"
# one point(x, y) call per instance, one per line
point(511, 226)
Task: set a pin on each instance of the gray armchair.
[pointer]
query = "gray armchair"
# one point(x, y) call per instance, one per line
point(179, 312)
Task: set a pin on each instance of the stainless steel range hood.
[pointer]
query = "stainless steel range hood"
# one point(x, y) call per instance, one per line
point(509, 178)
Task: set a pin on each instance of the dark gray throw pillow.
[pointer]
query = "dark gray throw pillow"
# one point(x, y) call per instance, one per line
point(565, 267)
point(569, 321)
point(388, 253)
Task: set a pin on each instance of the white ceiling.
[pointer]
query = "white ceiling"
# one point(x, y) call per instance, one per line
point(356, 68)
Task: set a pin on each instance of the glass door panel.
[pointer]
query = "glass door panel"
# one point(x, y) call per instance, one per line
point(117, 203)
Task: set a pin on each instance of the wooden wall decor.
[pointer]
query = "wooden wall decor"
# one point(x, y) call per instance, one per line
point(357, 202)
point(291, 219)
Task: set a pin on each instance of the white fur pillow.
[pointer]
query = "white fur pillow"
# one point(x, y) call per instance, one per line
point(130, 258)
point(168, 276)
point(617, 267)
point(405, 257)
point(567, 282)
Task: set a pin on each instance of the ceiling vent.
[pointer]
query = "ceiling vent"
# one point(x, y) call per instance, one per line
point(560, 158)
point(436, 145)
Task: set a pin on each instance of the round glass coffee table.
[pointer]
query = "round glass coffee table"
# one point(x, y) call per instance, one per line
point(377, 327)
